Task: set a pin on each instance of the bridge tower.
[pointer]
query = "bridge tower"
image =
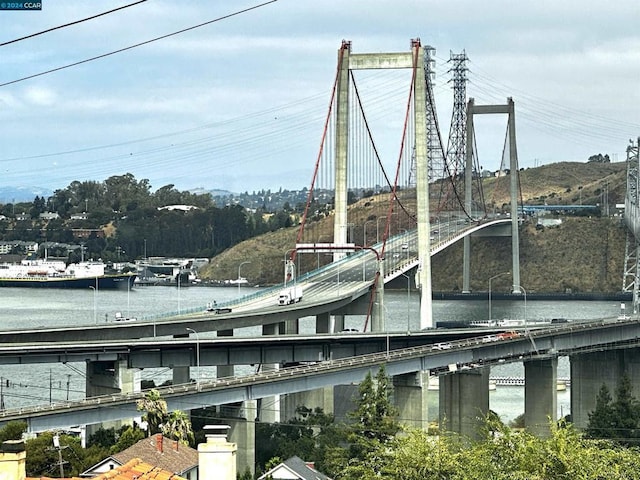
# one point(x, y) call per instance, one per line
point(348, 61)
point(509, 110)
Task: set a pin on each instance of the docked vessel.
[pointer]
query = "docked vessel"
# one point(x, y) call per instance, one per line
point(56, 274)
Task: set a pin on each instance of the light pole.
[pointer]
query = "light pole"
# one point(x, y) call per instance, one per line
point(516, 289)
point(378, 225)
point(491, 278)
point(239, 277)
point(95, 304)
point(197, 356)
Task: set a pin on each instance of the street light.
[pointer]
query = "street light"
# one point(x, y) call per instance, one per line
point(491, 278)
point(239, 277)
point(197, 355)
point(378, 225)
point(516, 289)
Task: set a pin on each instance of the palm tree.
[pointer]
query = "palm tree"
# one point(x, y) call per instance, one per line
point(156, 409)
point(178, 427)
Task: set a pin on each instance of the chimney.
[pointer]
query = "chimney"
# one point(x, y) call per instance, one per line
point(159, 441)
point(13, 458)
point(311, 464)
point(217, 457)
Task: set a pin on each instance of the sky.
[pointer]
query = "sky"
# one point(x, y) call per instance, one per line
point(239, 104)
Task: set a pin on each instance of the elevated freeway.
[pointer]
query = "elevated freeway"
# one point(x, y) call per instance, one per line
point(321, 360)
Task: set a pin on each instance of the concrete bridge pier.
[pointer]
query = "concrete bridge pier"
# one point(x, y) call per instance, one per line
point(243, 434)
point(410, 398)
point(589, 371)
point(464, 401)
point(269, 407)
point(108, 377)
point(181, 375)
point(312, 399)
point(540, 395)
point(323, 323)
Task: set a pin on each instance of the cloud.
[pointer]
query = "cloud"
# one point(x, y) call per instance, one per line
point(40, 96)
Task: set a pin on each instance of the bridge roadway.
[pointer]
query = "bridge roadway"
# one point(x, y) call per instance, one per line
point(333, 360)
point(329, 289)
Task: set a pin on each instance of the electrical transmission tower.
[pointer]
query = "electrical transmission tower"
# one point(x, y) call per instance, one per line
point(435, 149)
point(452, 190)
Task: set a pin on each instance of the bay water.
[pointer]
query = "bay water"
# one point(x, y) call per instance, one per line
point(36, 384)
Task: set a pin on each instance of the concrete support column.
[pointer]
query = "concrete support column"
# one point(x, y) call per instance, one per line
point(292, 327)
point(269, 407)
point(181, 375)
point(464, 401)
point(540, 395)
point(319, 397)
point(311, 399)
point(410, 397)
point(589, 371)
point(223, 371)
point(338, 323)
point(323, 323)
point(108, 377)
point(243, 434)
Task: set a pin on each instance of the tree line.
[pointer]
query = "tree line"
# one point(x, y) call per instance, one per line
point(122, 219)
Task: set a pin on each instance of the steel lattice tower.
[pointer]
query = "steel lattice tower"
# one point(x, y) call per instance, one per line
point(435, 149)
point(456, 148)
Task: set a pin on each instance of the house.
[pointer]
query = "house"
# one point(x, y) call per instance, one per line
point(138, 470)
point(13, 458)
point(216, 459)
point(156, 450)
point(49, 216)
point(294, 468)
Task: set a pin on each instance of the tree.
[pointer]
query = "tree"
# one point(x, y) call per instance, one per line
point(130, 435)
point(602, 421)
point(615, 419)
point(374, 428)
point(309, 436)
point(178, 427)
point(626, 410)
point(13, 430)
point(43, 459)
point(156, 411)
point(175, 425)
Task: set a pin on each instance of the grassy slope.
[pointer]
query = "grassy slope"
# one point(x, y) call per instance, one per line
point(583, 254)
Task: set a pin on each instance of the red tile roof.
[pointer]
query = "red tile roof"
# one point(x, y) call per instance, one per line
point(134, 469)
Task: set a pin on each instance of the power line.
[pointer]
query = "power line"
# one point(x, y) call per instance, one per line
point(162, 37)
point(70, 23)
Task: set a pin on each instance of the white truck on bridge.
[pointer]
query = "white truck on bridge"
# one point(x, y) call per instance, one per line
point(290, 295)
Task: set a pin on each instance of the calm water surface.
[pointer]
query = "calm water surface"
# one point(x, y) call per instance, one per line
point(40, 384)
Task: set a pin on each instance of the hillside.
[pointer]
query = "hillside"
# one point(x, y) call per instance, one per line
point(583, 254)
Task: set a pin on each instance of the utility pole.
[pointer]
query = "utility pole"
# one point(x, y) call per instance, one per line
point(58, 447)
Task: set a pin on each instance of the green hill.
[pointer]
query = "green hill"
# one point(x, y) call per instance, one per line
point(582, 254)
